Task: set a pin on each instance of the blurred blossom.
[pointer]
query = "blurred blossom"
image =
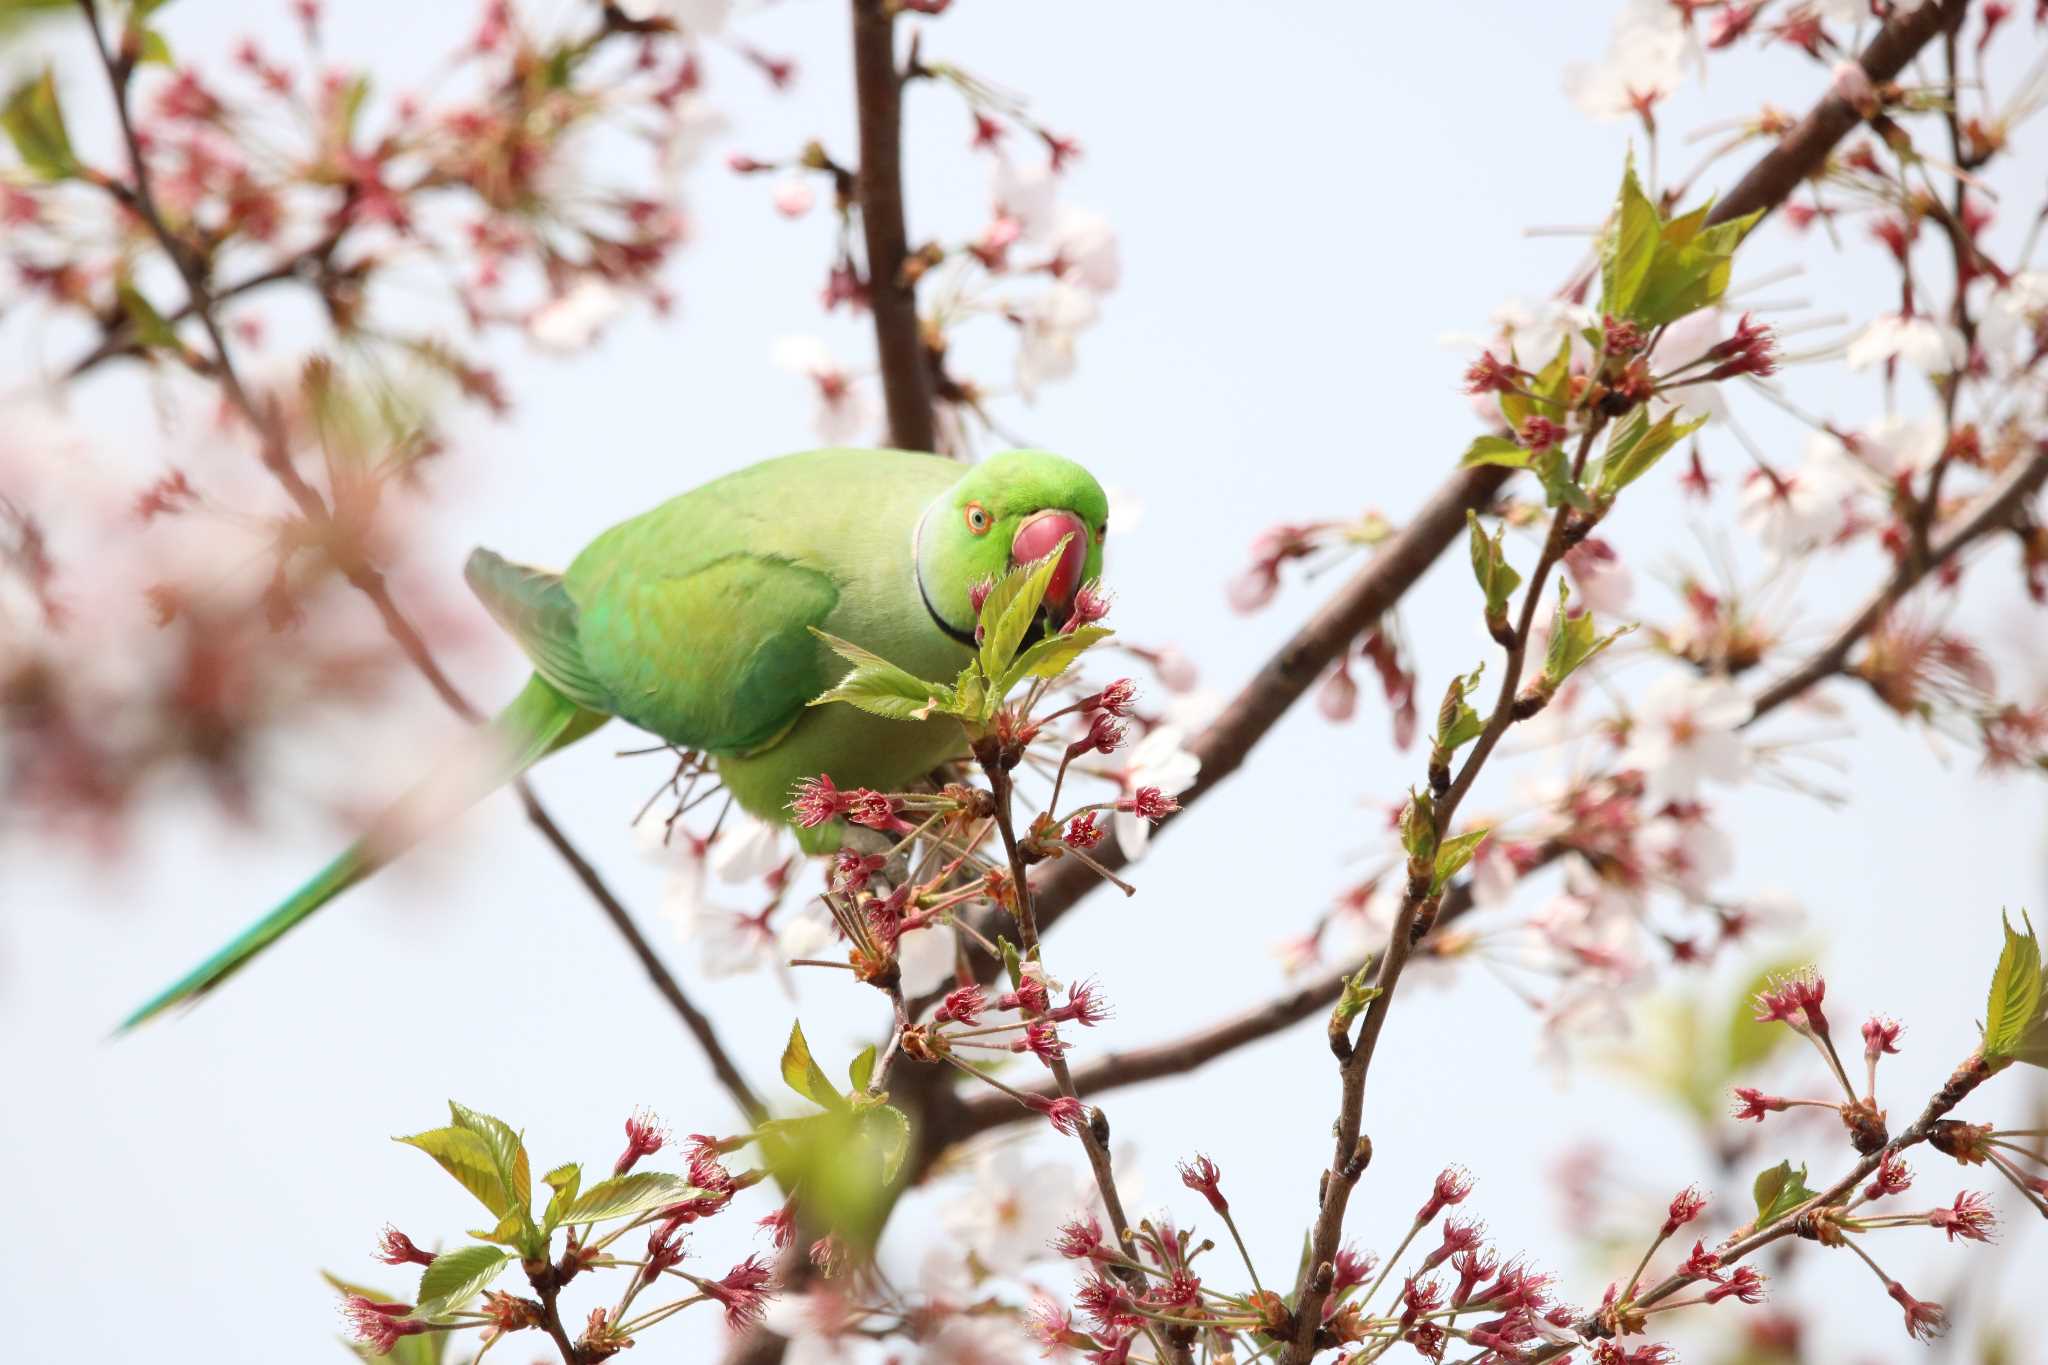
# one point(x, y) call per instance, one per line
point(574, 318)
point(1919, 343)
point(1685, 731)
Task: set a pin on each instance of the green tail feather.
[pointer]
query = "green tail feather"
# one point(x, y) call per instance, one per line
point(539, 721)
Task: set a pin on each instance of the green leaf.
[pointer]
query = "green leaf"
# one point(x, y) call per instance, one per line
point(1452, 855)
point(565, 1180)
point(151, 49)
point(1554, 470)
point(454, 1279)
point(1690, 270)
point(862, 1069)
point(1497, 578)
point(621, 1195)
point(1013, 962)
point(804, 1075)
point(150, 327)
point(1418, 825)
point(1636, 446)
point(1629, 246)
point(881, 688)
point(468, 1158)
point(34, 122)
point(1010, 608)
point(1053, 655)
point(1572, 641)
point(508, 1153)
point(1778, 1191)
point(1358, 993)
point(2013, 1007)
point(888, 1129)
point(1497, 450)
point(1552, 385)
point(1458, 723)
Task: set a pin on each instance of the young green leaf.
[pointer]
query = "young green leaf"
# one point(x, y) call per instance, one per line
point(454, 1279)
point(1497, 578)
point(622, 1195)
point(150, 327)
point(2015, 1008)
point(508, 1153)
point(863, 1068)
point(1554, 471)
point(1628, 247)
point(887, 1128)
point(565, 1181)
point(1457, 722)
point(1010, 608)
point(879, 687)
point(1572, 641)
point(803, 1074)
point(1778, 1191)
point(1497, 450)
point(468, 1158)
point(1452, 855)
point(1418, 825)
point(34, 122)
point(1052, 656)
point(1636, 446)
point(1358, 993)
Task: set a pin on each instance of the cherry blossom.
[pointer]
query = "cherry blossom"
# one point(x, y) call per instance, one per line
point(1793, 514)
point(1685, 731)
point(2013, 313)
point(1645, 61)
point(1084, 248)
point(1603, 581)
point(1896, 445)
point(1922, 343)
point(846, 412)
point(576, 316)
point(1051, 323)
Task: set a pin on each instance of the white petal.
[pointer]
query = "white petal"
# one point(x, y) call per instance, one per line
point(745, 848)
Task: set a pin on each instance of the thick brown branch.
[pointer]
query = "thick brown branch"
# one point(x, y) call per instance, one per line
point(892, 298)
point(1803, 151)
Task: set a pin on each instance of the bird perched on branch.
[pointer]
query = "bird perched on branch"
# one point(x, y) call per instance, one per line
point(700, 622)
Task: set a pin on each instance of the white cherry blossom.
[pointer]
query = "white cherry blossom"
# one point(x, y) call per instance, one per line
point(1921, 343)
point(574, 318)
point(1686, 731)
point(1158, 760)
point(1051, 321)
point(845, 411)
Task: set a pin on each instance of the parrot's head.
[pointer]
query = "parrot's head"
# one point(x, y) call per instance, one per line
point(1014, 508)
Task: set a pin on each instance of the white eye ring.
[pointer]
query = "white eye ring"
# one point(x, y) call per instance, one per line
point(978, 519)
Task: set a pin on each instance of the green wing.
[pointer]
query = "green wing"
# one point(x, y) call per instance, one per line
point(534, 609)
point(719, 658)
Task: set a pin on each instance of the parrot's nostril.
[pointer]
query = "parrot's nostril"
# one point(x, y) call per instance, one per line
point(1039, 536)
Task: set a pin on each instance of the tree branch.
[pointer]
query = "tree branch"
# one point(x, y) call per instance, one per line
point(892, 299)
point(1992, 512)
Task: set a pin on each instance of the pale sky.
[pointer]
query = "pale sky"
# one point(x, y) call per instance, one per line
point(1308, 197)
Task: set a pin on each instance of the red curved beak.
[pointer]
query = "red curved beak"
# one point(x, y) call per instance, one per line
point(1039, 536)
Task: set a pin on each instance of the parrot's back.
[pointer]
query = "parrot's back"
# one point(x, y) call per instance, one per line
point(698, 616)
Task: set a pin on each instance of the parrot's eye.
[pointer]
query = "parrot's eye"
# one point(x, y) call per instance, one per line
point(1102, 533)
point(978, 519)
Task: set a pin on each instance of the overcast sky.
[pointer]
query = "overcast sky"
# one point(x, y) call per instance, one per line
point(1308, 196)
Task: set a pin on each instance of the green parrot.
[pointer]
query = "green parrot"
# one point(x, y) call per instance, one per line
point(698, 622)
